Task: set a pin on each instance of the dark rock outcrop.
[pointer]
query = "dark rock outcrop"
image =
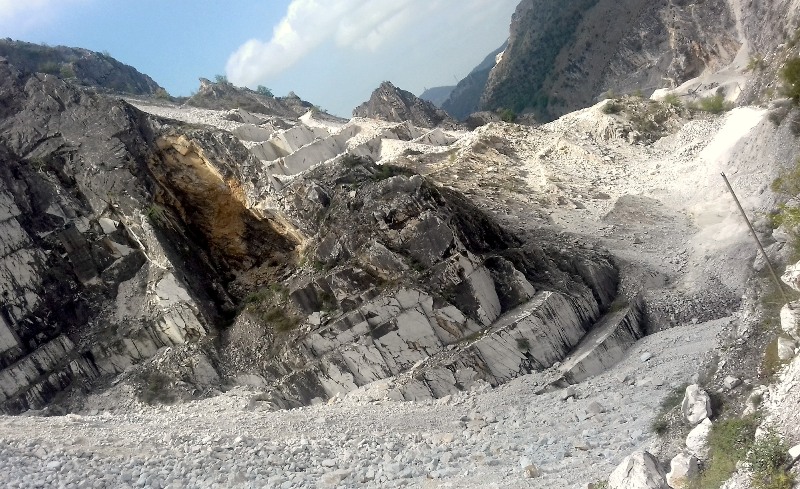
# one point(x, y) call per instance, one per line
point(79, 66)
point(225, 96)
point(389, 103)
point(121, 234)
point(401, 275)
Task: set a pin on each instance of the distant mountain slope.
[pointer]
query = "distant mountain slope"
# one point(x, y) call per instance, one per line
point(392, 104)
point(79, 66)
point(562, 55)
point(437, 95)
point(221, 96)
point(466, 96)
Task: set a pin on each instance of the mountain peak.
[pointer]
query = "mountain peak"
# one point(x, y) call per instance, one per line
point(392, 104)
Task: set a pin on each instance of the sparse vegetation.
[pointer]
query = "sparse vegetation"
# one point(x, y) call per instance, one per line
point(756, 63)
point(508, 115)
point(262, 90)
point(613, 107)
point(714, 104)
point(271, 306)
point(386, 171)
point(787, 186)
point(67, 72)
point(660, 424)
point(162, 94)
point(790, 76)
point(50, 67)
point(729, 442)
point(221, 79)
point(156, 214)
point(767, 459)
point(673, 100)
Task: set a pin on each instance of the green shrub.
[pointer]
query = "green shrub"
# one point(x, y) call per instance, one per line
point(280, 320)
point(262, 90)
point(660, 425)
point(67, 72)
point(756, 63)
point(767, 458)
point(790, 75)
point(673, 100)
point(508, 115)
point(221, 79)
point(715, 104)
point(728, 442)
point(612, 107)
point(50, 67)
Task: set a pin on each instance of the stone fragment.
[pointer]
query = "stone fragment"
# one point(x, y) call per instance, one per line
point(567, 393)
point(595, 408)
point(646, 356)
point(696, 405)
point(731, 382)
point(697, 440)
point(786, 348)
point(790, 319)
point(794, 452)
point(682, 468)
point(640, 470)
point(792, 276)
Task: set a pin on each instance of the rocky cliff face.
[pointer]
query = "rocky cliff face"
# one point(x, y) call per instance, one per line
point(389, 103)
point(562, 56)
point(80, 66)
point(106, 254)
point(172, 255)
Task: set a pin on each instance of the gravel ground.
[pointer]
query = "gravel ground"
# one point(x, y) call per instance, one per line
point(475, 439)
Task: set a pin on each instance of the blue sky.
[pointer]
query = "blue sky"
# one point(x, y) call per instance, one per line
point(332, 53)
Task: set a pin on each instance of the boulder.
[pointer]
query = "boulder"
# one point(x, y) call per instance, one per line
point(682, 468)
point(731, 382)
point(696, 405)
point(792, 276)
point(697, 440)
point(786, 348)
point(640, 470)
point(790, 319)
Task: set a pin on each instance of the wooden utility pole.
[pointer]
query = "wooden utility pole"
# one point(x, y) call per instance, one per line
point(758, 241)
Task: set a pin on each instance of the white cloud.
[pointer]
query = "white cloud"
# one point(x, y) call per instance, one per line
point(22, 15)
point(359, 25)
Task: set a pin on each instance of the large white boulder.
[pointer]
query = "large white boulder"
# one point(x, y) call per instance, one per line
point(682, 468)
point(792, 276)
point(696, 405)
point(639, 470)
point(786, 348)
point(697, 440)
point(790, 319)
